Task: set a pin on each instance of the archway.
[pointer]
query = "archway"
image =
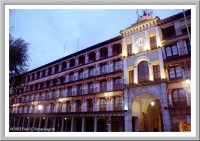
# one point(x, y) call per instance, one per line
point(146, 116)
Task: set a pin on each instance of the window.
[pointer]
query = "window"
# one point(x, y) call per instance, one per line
point(54, 94)
point(129, 49)
point(69, 91)
point(54, 82)
point(49, 71)
point(79, 90)
point(28, 78)
point(72, 63)
point(43, 73)
point(131, 77)
point(117, 84)
point(117, 49)
point(61, 93)
point(188, 45)
point(71, 75)
point(103, 86)
point(171, 51)
point(118, 65)
point(90, 105)
point(103, 104)
point(156, 72)
point(92, 57)
point(33, 77)
point(179, 97)
point(78, 106)
point(91, 88)
point(80, 74)
point(153, 43)
point(59, 107)
point(175, 73)
point(68, 106)
point(38, 75)
point(103, 53)
point(64, 66)
point(168, 32)
point(118, 103)
point(56, 69)
point(184, 27)
point(143, 72)
point(81, 60)
point(91, 71)
point(103, 68)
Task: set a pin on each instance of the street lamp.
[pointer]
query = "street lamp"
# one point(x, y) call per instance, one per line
point(39, 108)
point(187, 81)
point(152, 103)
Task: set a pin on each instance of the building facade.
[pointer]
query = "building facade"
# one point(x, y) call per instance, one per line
point(78, 93)
point(176, 50)
point(145, 92)
point(130, 83)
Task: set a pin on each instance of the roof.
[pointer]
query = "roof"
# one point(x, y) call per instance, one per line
point(77, 53)
point(174, 17)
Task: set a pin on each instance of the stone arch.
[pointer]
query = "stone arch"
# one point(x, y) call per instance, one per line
point(141, 58)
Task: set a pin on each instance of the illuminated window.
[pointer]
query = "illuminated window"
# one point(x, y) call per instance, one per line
point(143, 72)
point(131, 77)
point(153, 43)
point(129, 49)
point(156, 72)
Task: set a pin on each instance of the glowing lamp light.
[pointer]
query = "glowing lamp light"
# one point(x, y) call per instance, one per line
point(152, 103)
point(126, 108)
point(105, 94)
point(39, 107)
point(187, 81)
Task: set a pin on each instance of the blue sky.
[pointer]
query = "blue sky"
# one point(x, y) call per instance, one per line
point(49, 31)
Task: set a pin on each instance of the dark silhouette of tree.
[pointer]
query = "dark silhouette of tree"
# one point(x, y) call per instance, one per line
point(18, 59)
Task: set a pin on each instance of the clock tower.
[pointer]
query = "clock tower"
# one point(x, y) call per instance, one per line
point(142, 59)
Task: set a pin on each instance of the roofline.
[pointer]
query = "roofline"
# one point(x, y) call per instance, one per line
point(174, 17)
point(77, 53)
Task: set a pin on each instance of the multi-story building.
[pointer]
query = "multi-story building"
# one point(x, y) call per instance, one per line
point(80, 92)
point(134, 82)
point(145, 95)
point(176, 50)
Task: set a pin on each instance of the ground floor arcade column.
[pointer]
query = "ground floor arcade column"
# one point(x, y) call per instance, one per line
point(127, 114)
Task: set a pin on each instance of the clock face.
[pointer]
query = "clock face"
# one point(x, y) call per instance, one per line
point(140, 41)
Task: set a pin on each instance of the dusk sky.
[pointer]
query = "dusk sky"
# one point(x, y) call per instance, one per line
point(49, 31)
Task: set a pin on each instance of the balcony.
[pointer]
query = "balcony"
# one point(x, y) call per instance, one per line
point(89, 108)
point(71, 79)
point(102, 108)
point(174, 32)
point(79, 92)
point(69, 93)
point(183, 51)
point(68, 109)
point(120, 68)
point(117, 87)
point(91, 91)
point(103, 89)
point(118, 108)
point(91, 74)
point(103, 71)
point(78, 109)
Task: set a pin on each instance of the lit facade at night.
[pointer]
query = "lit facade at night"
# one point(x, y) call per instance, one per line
point(130, 83)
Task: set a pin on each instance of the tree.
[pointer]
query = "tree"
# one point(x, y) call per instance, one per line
point(18, 59)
